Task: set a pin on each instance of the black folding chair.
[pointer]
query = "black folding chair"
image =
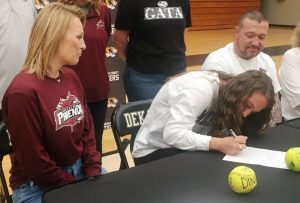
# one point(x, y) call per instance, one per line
point(127, 119)
point(5, 149)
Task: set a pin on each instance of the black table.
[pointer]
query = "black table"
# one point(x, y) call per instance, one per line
point(190, 177)
point(294, 123)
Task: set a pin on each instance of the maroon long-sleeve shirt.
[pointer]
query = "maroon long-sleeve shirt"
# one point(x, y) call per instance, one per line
point(50, 128)
point(91, 66)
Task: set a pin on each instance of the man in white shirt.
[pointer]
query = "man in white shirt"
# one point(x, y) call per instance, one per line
point(244, 53)
point(16, 20)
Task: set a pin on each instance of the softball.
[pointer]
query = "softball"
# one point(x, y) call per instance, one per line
point(292, 159)
point(242, 179)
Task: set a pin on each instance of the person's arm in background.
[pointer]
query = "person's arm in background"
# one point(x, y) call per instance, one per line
point(188, 18)
point(216, 61)
point(34, 9)
point(289, 73)
point(120, 39)
point(125, 22)
point(107, 18)
point(276, 113)
point(185, 33)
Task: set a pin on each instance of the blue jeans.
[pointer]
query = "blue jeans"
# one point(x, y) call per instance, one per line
point(139, 86)
point(31, 193)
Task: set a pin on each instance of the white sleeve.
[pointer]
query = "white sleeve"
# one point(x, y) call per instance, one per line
point(289, 73)
point(273, 75)
point(213, 62)
point(184, 108)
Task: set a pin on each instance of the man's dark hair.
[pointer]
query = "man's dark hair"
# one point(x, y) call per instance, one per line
point(252, 15)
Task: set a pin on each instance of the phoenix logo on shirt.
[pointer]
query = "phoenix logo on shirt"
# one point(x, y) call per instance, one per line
point(163, 12)
point(68, 112)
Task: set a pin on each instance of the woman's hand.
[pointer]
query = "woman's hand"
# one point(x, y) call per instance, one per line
point(228, 145)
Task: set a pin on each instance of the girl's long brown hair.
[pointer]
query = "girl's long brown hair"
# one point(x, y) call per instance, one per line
point(235, 91)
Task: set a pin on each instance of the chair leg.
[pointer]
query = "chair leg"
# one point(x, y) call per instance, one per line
point(4, 192)
point(123, 166)
point(124, 163)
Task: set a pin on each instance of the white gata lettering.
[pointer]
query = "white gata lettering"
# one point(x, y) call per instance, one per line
point(69, 112)
point(153, 13)
point(134, 119)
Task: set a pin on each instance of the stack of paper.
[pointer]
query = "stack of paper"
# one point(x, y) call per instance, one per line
point(263, 157)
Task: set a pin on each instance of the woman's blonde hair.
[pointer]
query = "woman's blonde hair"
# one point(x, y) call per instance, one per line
point(46, 35)
point(295, 40)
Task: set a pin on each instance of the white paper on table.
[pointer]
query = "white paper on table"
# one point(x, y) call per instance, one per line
point(263, 157)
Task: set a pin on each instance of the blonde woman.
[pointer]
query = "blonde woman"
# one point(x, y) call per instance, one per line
point(45, 111)
point(289, 74)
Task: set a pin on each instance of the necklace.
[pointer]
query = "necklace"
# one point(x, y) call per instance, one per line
point(55, 77)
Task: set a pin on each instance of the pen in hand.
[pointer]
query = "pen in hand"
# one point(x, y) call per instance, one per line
point(242, 145)
point(232, 133)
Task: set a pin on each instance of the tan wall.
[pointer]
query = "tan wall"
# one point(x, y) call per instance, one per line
point(282, 12)
point(220, 14)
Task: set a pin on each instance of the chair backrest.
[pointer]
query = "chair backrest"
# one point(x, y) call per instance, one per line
point(5, 144)
point(5, 149)
point(127, 119)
